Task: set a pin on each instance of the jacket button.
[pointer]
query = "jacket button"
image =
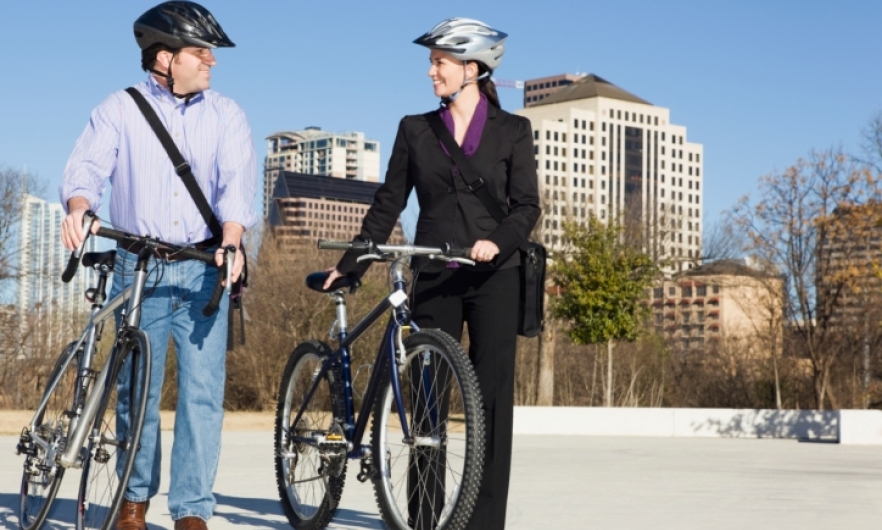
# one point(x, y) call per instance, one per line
point(450, 189)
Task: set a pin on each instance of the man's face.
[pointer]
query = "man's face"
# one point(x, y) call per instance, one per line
point(192, 70)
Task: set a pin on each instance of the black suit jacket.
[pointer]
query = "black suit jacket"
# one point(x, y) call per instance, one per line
point(449, 212)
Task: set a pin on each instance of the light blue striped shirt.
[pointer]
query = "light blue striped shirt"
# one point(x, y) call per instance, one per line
point(148, 197)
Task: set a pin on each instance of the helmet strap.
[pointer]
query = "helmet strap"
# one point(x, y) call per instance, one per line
point(446, 101)
point(171, 81)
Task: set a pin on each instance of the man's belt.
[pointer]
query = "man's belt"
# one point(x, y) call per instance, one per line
point(168, 254)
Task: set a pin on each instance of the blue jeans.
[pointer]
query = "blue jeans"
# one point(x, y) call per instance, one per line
point(175, 295)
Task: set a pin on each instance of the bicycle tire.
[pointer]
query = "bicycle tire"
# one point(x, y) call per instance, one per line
point(110, 458)
point(42, 475)
point(431, 480)
point(309, 496)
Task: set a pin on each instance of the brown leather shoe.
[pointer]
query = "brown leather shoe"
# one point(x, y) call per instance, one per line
point(132, 515)
point(190, 523)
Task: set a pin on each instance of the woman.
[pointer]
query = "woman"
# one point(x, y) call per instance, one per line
point(499, 146)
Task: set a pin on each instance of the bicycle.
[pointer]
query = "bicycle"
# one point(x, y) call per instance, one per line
point(426, 453)
point(76, 423)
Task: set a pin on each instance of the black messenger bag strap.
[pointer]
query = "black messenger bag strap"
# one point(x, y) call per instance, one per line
point(182, 168)
point(474, 182)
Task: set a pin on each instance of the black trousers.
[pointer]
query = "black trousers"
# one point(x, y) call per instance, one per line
point(488, 303)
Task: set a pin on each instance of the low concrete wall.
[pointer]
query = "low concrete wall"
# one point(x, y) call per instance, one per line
point(843, 426)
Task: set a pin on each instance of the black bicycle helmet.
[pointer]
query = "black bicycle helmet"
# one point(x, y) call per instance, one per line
point(178, 24)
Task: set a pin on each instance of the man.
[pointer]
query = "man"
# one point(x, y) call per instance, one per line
point(148, 198)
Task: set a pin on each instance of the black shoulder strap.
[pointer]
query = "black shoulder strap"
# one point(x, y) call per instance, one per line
point(182, 168)
point(476, 185)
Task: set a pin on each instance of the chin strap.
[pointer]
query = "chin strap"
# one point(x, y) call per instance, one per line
point(171, 81)
point(446, 101)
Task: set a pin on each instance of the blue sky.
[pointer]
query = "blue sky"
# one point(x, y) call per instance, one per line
point(758, 83)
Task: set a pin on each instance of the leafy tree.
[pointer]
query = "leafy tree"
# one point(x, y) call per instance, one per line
point(603, 282)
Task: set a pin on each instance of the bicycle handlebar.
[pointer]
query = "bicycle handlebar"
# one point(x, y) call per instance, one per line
point(447, 253)
point(178, 251)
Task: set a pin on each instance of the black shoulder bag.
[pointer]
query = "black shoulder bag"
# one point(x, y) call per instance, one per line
point(532, 268)
point(182, 168)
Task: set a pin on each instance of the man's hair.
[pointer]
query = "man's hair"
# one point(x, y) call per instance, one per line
point(148, 55)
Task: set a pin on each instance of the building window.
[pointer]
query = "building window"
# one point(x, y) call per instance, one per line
point(716, 289)
point(671, 291)
point(658, 292)
point(701, 290)
point(687, 292)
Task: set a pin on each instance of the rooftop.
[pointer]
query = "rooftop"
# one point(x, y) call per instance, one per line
point(591, 86)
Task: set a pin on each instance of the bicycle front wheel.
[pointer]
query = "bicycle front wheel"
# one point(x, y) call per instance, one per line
point(311, 451)
point(42, 475)
point(115, 435)
point(430, 479)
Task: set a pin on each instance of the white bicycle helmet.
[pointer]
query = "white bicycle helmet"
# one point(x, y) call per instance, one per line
point(467, 39)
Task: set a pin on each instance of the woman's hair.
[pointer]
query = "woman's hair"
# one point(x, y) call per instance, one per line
point(486, 85)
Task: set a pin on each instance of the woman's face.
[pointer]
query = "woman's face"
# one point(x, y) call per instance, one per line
point(447, 73)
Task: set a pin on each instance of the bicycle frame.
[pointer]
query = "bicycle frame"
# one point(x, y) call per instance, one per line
point(77, 430)
point(386, 359)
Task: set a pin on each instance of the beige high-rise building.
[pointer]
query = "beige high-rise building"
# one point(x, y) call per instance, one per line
point(313, 151)
point(601, 150)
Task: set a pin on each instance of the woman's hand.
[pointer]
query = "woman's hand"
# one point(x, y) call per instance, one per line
point(334, 274)
point(484, 251)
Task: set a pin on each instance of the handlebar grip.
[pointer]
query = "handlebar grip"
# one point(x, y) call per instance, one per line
point(325, 244)
point(72, 264)
point(460, 252)
point(215, 300)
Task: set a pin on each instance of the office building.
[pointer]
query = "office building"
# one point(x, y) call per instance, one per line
point(603, 151)
point(313, 151)
point(308, 207)
point(41, 293)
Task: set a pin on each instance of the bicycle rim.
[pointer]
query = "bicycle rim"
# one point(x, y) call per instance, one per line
point(430, 480)
point(309, 486)
point(114, 439)
point(42, 475)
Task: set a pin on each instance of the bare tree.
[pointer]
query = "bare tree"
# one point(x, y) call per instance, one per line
point(789, 224)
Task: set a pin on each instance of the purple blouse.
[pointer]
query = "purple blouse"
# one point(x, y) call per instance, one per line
point(476, 127)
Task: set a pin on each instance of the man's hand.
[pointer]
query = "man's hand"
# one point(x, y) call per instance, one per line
point(72, 226)
point(232, 236)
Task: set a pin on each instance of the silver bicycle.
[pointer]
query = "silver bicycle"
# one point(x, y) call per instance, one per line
point(90, 415)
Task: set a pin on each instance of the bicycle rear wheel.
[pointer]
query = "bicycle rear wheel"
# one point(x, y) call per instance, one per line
point(429, 480)
point(310, 477)
point(115, 435)
point(42, 475)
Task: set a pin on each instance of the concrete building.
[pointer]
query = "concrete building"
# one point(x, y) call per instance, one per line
point(41, 293)
point(733, 301)
point(603, 151)
point(308, 207)
point(316, 152)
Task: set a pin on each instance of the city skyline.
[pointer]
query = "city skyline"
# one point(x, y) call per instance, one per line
point(753, 82)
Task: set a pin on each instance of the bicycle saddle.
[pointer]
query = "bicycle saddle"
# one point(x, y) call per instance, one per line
point(98, 259)
point(316, 282)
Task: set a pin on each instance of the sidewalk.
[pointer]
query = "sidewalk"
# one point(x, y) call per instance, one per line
point(573, 483)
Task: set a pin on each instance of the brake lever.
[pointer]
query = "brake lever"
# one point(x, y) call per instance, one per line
point(441, 257)
point(229, 261)
point(369, 256)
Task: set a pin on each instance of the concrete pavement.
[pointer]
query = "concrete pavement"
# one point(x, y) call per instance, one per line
point(573, 482)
